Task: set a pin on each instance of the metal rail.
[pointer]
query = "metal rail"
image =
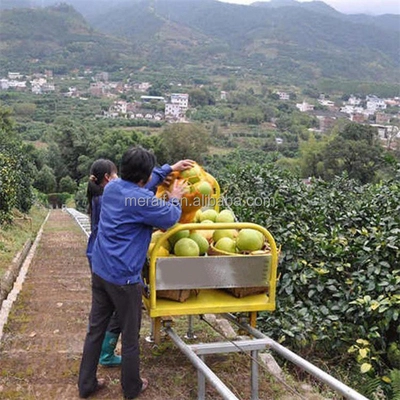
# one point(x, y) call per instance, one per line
point(340, 387)
point(82, 220)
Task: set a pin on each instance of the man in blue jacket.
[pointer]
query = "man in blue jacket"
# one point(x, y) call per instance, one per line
point(129, 213)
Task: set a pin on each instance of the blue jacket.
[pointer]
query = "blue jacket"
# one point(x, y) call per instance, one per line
point(157, 176)
point(128, 215)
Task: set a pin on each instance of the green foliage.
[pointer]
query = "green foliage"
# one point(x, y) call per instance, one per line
point(180, 141)
point(355, 151)
point(16, 170)
point(45, 180)
point(395, 378)
point(339, 270)
point(67, 185)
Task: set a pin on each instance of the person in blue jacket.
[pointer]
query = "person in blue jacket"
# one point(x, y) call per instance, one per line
point(129, 212)
point(103, 171)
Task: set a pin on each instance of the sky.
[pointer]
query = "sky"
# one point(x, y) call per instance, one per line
point(373, 7)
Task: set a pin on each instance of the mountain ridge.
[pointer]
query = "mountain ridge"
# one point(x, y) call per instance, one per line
point(299, 41)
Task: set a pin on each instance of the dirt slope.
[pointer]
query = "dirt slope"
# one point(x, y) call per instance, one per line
point(42, 342)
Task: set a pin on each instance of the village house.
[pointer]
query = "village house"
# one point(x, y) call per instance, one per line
point(304, 106)
point(374, 104)
point(283, 95)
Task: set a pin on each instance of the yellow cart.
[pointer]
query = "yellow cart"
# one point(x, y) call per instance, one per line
point(208, 276)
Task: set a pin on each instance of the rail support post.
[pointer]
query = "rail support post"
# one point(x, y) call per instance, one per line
point(190, 334)
point(254, 375)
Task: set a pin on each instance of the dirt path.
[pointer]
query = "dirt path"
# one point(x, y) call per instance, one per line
point(42, 342)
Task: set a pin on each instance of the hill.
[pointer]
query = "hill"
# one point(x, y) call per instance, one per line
point(57, 37)
point(286, 40)
point(291, 42)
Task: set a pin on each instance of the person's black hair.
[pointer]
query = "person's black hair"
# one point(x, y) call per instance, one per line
point(98, 170)
point(137, 164)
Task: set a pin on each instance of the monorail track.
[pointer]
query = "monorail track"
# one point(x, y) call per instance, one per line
point(196, 352)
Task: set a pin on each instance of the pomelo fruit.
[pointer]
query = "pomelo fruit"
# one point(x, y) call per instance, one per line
point(220, 233)
point(201, 241)
point(206, 233)
point(178, 235)
point(225, 216)
point(192, 174)
point(204, 188)
point(161, 252)
point(226, 244)
point(186, 248)
point(209, 214)
point(249, 240)
point(197, 216)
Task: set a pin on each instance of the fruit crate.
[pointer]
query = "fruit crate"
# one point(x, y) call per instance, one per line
point(205, 276)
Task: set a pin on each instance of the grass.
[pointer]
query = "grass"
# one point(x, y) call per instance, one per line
point(14, 236)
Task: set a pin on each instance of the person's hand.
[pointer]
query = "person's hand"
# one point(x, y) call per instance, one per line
point(179, 188)
point(182, 165)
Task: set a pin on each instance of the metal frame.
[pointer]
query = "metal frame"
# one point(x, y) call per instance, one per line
point(197, 352)
point(322, 376)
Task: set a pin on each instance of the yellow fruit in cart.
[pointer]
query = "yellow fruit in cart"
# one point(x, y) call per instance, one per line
point(201, 241)
point(197, 216)
point(178, 235)
point(186, 248)
point(207, 233)
point(221, 233)
point(226, 244)
point(156, 235)
point(161, 252)
point(225, 216)
point(209, 215)
point(249, 240)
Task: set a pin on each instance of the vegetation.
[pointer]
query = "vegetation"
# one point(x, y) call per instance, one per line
point(338, 294)
point(16, 171)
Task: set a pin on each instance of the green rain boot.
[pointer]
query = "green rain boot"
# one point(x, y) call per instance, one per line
point(107, 356)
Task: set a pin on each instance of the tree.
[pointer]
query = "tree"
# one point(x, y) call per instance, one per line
point(200, 97)
point(179, 141)
point(16, 170)
point(45, 180)
point(67, 185)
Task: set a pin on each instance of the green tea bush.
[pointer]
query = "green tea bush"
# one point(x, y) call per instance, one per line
point(338, 294)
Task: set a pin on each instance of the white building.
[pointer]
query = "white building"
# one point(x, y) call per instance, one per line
point(14, 75)
point(304, 106)
point(173, 111)
point(4, 85)
point(180, 98)
point(374, 104)
point(353, 101)
point(283, 95)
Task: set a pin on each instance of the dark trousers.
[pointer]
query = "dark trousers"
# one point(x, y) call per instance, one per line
point(113, 325)
point(126, 300)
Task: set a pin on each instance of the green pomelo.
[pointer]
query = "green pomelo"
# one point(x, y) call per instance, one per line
point(197, 216)
point(209, 214)
point(226, 244)
point(249, 240)
point(225, 216)
point(192, 174)
point(178, 235)
point(205, 232)
point(186, 248)
point(204, 188)
point(221, 233)
point(201, 241)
